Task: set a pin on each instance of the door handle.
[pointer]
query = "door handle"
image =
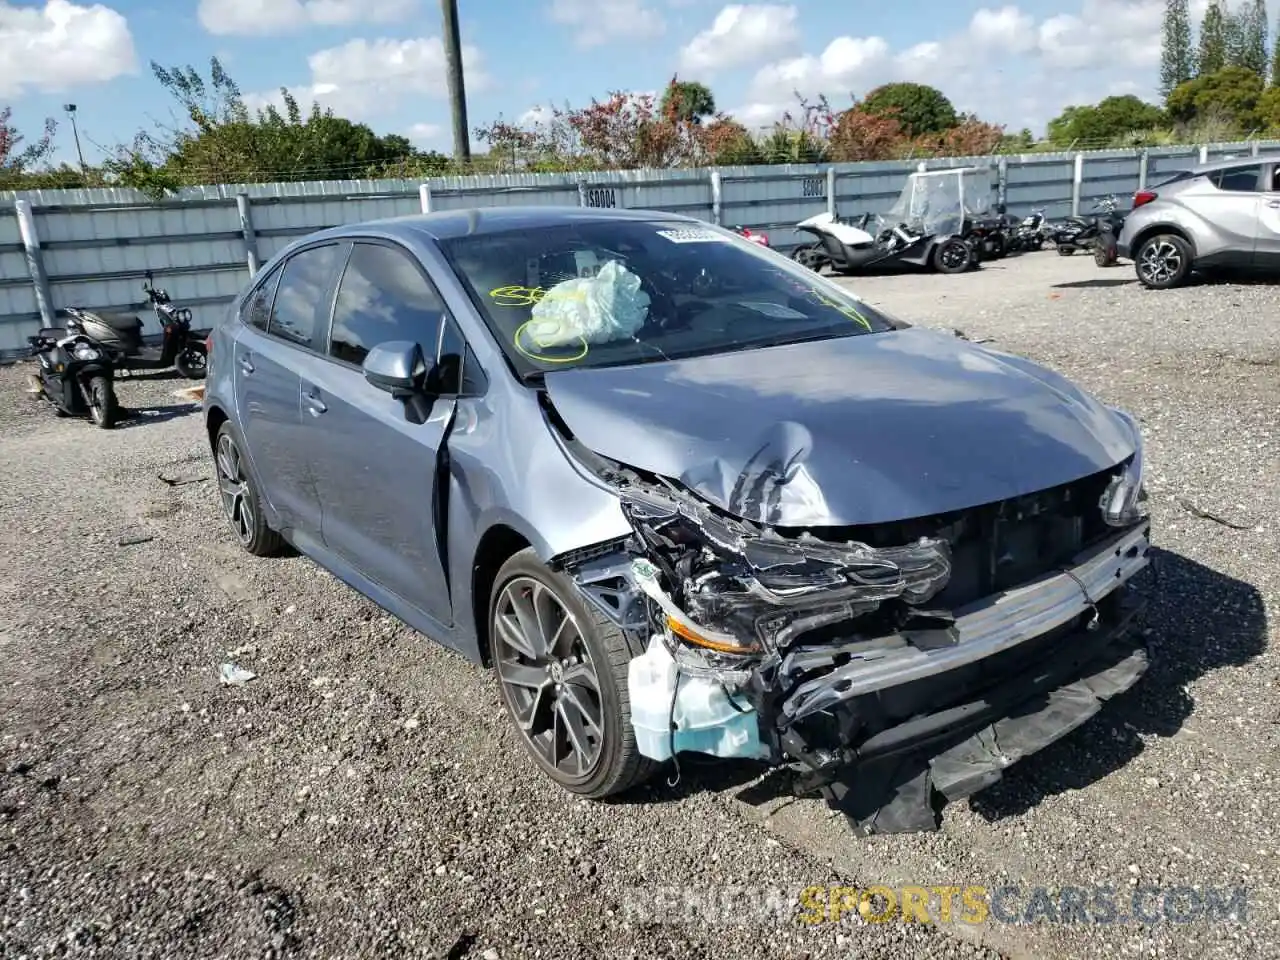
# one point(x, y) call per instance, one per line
point(246, 363)
point(315, 406)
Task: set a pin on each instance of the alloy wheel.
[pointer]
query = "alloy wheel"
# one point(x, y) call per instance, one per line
point(548, 678)
point(953, 255)
point(233, 487)
point(1160, 262)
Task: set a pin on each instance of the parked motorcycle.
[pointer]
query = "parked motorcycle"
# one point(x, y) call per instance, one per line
point(849, 247)
point(987, 236)
point(120, 335)
point(1028, 233)
point(75, 375)
point(1082, 233)
point(760, 238)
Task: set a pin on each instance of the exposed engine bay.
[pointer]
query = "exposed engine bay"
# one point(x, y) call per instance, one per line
point(891, 667)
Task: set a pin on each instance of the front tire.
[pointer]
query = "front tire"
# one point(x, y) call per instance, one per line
point(810, 256)
point(562, 673)
point(103, 409)
point(953, 256)
point(1163, 261)
point(241, 501)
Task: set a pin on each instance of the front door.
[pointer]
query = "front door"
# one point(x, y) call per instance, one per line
point(1267, 251)
point(376, 457)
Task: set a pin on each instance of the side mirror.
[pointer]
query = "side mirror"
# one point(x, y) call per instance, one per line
point(397, 367)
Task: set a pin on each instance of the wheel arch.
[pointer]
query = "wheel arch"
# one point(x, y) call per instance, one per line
point(497, 545)
point(1155, 229)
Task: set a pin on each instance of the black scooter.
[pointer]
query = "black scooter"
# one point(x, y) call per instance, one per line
point(1083, 233)
point(121, 336)
point(75, 375)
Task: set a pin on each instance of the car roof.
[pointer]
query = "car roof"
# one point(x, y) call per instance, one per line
point(449, 224)
point(1228, 164)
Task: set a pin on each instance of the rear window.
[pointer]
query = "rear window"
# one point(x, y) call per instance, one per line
point(1237, 179)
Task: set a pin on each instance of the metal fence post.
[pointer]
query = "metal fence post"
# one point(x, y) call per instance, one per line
point(922, 167)
point(1204, 153)
point(717, 198)
point(1077, 182)
point(1144, 161)
point(582, 193)
point(1002, 181)
point(831, 191)
point(424, 197)
point(35, 260)
point(246, 229)
point(1253, 148)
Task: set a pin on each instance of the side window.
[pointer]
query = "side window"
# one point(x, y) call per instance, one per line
point(383, 296)
point(300, 298)
point(457, 370)
point(1238, 179)
point(257, 308)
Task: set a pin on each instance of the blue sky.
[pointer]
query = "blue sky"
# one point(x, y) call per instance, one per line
point(379, 61)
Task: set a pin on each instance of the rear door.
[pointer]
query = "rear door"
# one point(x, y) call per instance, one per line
point(1233, 206)
point(378, 458)
point(282, 318)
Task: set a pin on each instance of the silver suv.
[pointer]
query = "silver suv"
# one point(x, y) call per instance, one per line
point(1220, 215)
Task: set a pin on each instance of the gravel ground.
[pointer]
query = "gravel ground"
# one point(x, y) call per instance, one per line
point(364, 797)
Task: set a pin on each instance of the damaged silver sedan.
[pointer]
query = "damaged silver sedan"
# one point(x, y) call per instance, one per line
point(685, 496)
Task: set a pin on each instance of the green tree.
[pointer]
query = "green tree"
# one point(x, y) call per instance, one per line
point(1230, 95)
point(1253, 44)
point(222, 142)
point(918, 108)
point(1275, 58)
point(1214, 39)
point(687, 101)
point(1107, 121)
point(1177, 59)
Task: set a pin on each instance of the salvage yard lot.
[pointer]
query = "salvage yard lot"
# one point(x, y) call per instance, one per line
point(363, 796)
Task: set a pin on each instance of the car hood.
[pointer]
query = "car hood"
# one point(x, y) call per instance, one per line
point(857, 430)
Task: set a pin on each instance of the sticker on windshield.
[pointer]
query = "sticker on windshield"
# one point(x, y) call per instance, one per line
point(776, 310)
point(694, 235)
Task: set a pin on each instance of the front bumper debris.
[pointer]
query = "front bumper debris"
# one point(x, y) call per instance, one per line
point(890, 674)
point(898, 780)
point(982, 630)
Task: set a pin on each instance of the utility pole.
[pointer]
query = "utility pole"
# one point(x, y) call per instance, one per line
point(457, 88)
point(70, 108)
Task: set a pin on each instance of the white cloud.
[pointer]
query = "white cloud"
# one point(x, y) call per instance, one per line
point(1029, 72)
point(740, 34)
point(363, 79)
point(61, 46)
point(260, 17)
point(597, 22)
point(533, 117)
point(424, 134)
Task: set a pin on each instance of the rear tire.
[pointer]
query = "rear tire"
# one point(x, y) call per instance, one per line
point(241, 502)
point(191, 363)
point(1066, 251)
point(810, 256)
point(103, 409)
point(953, 256)
point(589, 651)
point(1163, 261)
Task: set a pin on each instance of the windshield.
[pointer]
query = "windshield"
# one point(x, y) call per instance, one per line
point(599, 293)
point(935, 203)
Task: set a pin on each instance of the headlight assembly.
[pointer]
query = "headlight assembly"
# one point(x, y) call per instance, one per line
point(1124, 502)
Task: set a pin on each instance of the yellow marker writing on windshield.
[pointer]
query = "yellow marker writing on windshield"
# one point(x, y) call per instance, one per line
point(543, 343)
